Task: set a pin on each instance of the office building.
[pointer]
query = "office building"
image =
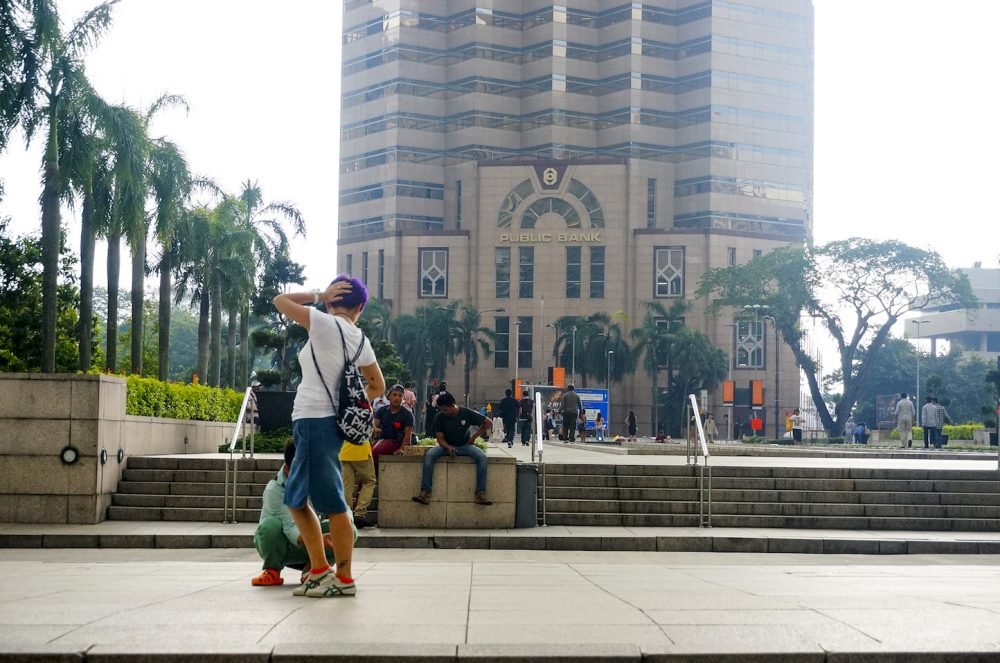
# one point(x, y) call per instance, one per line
point(557, 160)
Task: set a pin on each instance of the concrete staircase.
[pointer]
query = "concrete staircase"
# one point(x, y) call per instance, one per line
point(817, 498)
point(192, 489)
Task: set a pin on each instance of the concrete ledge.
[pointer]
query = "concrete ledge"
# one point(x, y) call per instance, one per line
point(452, 505)
point(364, 652)
point(554, 653)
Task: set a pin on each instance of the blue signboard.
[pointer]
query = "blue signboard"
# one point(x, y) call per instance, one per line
point(593, 400)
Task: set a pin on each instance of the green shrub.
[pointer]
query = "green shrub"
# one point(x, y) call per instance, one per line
point(148, 397)
point(272, 442)
point(954, 432)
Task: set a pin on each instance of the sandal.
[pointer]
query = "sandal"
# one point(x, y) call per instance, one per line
point(422, 498)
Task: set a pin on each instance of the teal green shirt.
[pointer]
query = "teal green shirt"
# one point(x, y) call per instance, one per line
point(274, 505)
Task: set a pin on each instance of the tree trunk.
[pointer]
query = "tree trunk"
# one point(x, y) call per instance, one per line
point(163, 339)
point(231, 348)
point(244, 364)
point(138, 295)
point(50, 247)
point(88, 241)
point(215, 335)
point(114, 273)
point(468, 368)
point(203, 315)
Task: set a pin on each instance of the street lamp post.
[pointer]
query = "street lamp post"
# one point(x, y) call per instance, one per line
point(517, 346)
point(777, 378)
point(917, 323)
point(607, 380)
point(732, 360)
point(757, 308)
point(573, 368)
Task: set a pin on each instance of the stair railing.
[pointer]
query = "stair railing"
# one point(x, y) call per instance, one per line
point(701, 448)
point(229, 500)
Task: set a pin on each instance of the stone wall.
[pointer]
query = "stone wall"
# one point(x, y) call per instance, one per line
point(451, 504)
point(40, 415)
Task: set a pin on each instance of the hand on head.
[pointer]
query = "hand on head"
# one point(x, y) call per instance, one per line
point(335, 292)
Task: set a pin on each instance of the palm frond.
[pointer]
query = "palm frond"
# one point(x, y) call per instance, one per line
point(164, 101)
point(88, 30)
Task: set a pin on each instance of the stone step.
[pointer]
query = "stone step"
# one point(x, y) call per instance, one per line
point(773, 472)
point(183, 463)
point(747, 521)
point(183, 501)
point(187, 488)
point(194, 513)
point(781, 483)
point(776, 509)
point(198, 476)
point(814, 496)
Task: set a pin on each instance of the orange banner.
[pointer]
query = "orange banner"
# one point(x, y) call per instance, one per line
point(728, 392)
point(756, 393)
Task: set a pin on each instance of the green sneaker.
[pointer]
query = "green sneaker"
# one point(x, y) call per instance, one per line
point(310, 581)
point(329, 586)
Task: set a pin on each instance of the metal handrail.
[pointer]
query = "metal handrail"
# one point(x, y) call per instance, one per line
point(229, 499)
point(702, 520)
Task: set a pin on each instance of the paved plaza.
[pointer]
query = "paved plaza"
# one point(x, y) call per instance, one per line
point(538, 603)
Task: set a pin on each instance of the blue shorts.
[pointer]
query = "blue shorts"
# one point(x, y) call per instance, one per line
point(315, 473)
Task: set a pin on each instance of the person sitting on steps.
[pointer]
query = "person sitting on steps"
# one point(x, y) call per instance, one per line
point(451, 426)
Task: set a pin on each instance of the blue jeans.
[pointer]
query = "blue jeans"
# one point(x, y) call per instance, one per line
point(471, 450)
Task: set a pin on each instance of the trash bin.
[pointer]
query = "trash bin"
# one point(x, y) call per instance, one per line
point(526, 499)
point(993, 439)
point(944, 440)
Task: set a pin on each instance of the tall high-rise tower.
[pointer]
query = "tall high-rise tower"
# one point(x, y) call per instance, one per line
point(595, 157)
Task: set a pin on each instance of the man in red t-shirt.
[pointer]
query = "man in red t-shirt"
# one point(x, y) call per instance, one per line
point(393, 426)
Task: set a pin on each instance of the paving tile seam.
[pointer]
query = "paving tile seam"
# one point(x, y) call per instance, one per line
point(635, 543)
point(506, 653)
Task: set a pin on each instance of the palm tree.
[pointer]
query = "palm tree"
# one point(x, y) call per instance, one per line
point(196, 227)
point(654, 340)
point(57, 82)
point(163, 165)
point(468, 338)
point(130, 150)
point(264, 223)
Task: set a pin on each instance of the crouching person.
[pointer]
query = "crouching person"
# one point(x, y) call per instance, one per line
point(451, 426)
point(277, 539)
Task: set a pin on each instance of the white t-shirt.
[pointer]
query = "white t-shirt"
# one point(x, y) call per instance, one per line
point(311, 400)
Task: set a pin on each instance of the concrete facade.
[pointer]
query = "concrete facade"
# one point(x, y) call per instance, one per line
point(976, 332)
point(40, 415)
point(562, 161)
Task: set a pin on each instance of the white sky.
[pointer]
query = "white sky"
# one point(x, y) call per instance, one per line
point(906, 127)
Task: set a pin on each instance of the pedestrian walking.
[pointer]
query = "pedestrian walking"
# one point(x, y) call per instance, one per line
point(508, 410)
point(796, 426)
point(904, 413)
point(630, 425)
point(569, 406)
point(929, 420)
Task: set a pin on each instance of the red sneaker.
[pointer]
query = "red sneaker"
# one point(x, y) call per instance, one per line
point(268, 577)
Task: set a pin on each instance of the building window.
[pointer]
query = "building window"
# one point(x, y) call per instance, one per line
point(650, 203)
point(597, 272)
point(669, 272)
point(381, 273)
point(349, 264)
point(364, 268)
point(501, 342)
point(433, 272)
point(526, 272)
point(750, 344)
point(458, 204)
point(503, 272)
point(524, 341)
point(731, 256)
point(757, 253)
point(573, 260)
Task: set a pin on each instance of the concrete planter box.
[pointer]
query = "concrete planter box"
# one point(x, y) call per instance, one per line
point(42, 414)
point(451, 505)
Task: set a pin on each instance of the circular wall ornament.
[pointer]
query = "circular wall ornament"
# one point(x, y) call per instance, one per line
point(104, 456)
point(69, 454)
point(121, 454)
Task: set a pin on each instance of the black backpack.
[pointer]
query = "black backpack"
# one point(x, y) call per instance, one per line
point(353, 412)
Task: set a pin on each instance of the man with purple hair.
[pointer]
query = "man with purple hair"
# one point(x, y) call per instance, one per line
point(314, 479)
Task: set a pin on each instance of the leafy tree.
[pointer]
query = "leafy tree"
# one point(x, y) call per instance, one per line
point(275, 332)
point(695, 364)
point(595, 335)
point(20, 305)
point(655, 343)
point(469, 338)
point(859, 288)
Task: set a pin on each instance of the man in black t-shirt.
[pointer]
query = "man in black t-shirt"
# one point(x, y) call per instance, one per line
point(526, 407)
point(451, 426)
point(507, 409)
